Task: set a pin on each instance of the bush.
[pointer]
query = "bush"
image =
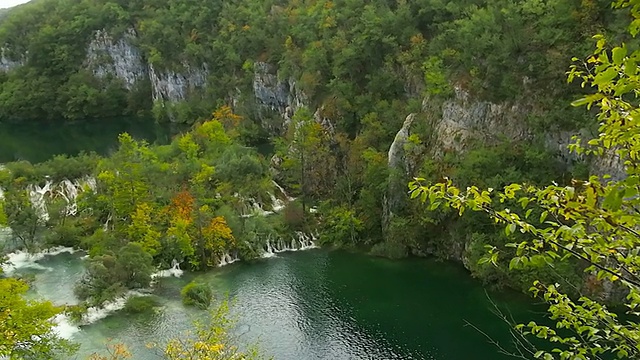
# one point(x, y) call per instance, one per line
point(140, 304)
point(197, 294)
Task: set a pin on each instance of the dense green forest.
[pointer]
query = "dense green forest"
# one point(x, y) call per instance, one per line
point(351, 58)
point(363, 65)
point(360, 68)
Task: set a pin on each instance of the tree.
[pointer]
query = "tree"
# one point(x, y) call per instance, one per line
point(307, 159)
point(22, 218)
point(594, 221)
point(26, 326)
point(210, 340)
point(142, 230)
point(109, 275)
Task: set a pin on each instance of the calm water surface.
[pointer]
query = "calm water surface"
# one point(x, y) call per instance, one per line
point(39, 142)
point(316, 305)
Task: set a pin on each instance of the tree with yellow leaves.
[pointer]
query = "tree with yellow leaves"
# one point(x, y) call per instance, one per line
point(209, 341)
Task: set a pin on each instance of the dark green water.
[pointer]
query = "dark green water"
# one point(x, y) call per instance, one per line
point(317, 305)
point(39, 142)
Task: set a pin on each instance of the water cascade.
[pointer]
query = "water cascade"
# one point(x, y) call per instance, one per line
point(64, 327)
point(96, 313)
point(22, 259)
point(37, 198)
point(283, 192)
point(227, 259)
point(67, 189)
point(173, 271)
point(300, 241)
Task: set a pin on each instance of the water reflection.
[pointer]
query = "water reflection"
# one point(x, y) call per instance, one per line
point(39, 142)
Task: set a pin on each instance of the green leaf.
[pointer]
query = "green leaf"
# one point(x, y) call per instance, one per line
point(606, 76)
point(543, 216)
point(618, 54)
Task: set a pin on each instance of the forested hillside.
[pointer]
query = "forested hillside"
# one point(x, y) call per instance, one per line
point(330, 84)
point(352, 57)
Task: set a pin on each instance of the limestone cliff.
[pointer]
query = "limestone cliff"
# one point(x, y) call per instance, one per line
point(276, 99)
point(121, 58)
point(110, 57)
point(460, 121)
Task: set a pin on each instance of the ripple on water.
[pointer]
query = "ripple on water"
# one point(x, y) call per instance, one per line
point(309, 306)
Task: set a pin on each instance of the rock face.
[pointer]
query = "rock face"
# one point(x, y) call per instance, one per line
point(276, 99)
point(170, 86)
point(400, 170)
point(464, 120)
point(119, 58)
point(459, 122)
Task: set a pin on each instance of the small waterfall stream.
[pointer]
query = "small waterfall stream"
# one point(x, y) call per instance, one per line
point(67, 189)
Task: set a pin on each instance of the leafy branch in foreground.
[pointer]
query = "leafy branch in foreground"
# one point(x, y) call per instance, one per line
point(596, 221)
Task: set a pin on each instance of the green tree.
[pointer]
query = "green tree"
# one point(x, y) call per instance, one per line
point(27, 326)
point(22, 218)
point(594, 221)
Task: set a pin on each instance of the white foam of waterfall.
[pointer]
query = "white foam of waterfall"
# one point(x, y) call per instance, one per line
point(284, 193)
point(66, 189)
point(90, 181)
point(69, 191)
point(37, 198)
point(173, 271)
point(64, 327)
point(22, 259)
point(96, 313)
point(301, 241)
point(227, 259)
point(277, 204)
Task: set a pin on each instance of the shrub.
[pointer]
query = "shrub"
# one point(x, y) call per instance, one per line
point(197, 294)
point(140, 304)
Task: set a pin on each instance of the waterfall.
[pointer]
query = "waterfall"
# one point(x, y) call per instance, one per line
point(227, 259)
point(37, 197)
point(284, 193)
point(96, 313)
point(63, 326)
point(67, 189)
point(22, 259)
point(300, 241)
point(173, 271)
point(277, 204)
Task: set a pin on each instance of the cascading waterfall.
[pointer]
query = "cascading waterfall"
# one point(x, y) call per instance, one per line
point(227, 259)
point(173, 271)
point(37, 198)
point(22, 259)
point(66, 189)
point(277, 203)
point(300, 241)
point(282, 191)
point(96, 313)
point(64, 327)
